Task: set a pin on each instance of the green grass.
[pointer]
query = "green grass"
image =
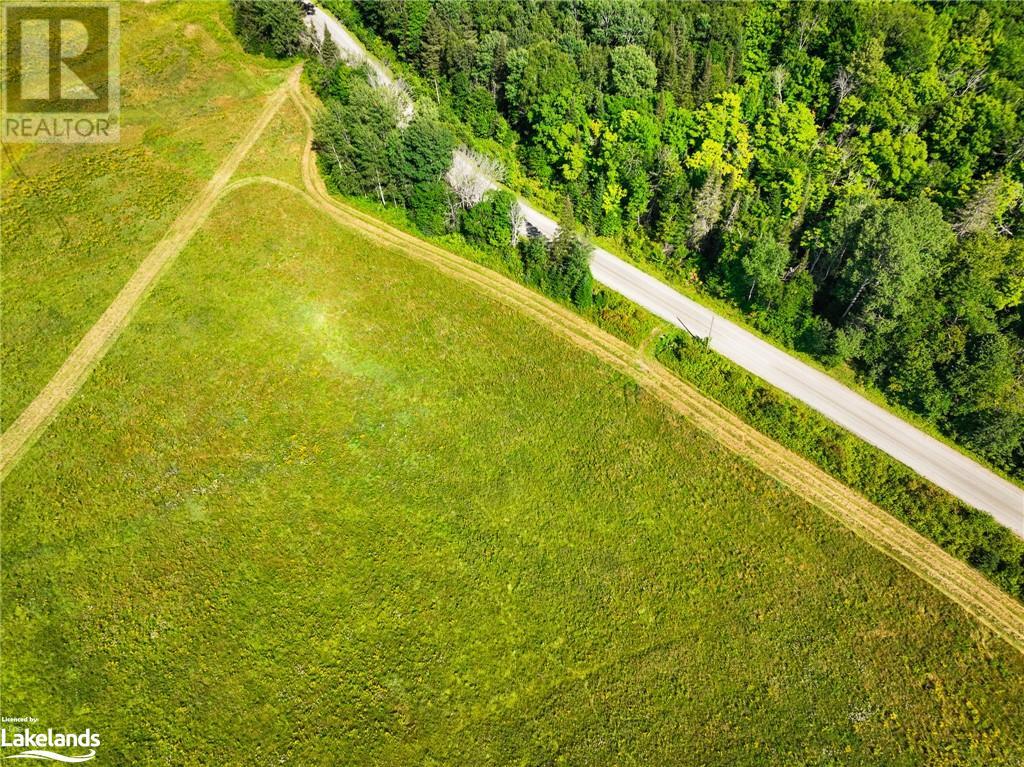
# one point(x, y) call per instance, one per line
point(278, 151)
point(321, 504)
point(79, 218)
point(609, 311)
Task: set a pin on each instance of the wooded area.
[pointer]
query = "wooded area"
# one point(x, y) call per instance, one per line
point(849, 174)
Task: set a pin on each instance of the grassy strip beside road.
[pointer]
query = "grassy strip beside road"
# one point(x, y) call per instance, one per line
point(684, 283)
point(964, 532)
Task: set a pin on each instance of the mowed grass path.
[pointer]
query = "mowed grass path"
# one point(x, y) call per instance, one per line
point(78, 219)
point(322, 505)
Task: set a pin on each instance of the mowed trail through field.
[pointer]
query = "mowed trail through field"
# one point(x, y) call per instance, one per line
point(73, 373)
point(962, 584)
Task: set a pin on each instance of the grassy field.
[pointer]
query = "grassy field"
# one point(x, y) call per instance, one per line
point(321, 504)
point(78, 219)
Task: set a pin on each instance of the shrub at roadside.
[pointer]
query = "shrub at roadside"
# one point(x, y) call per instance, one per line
point(363, 151)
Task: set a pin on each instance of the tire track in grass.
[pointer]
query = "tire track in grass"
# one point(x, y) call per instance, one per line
point(33, 420)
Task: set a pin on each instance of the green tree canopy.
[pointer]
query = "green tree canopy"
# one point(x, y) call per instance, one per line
point(270, 27)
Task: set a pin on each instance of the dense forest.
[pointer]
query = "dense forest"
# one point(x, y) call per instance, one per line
point(848, 174)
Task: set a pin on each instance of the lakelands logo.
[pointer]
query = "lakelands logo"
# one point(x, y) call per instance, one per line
point(60, 72)
point(38, 744)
